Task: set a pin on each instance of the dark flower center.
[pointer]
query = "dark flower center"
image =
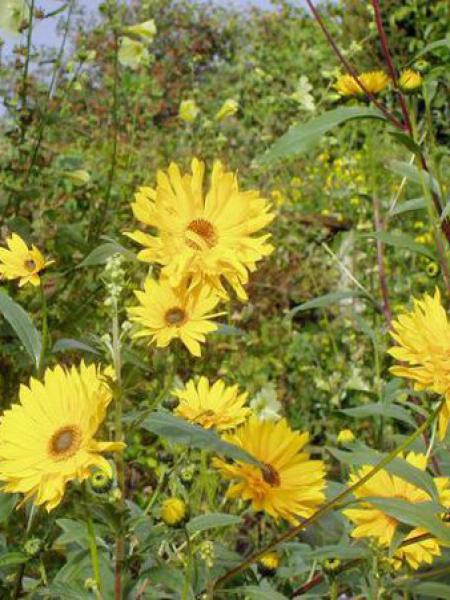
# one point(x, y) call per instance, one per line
point(65, 442)
point(30, 265)
point(175, 316)
point(270, 475)
point(201, 233)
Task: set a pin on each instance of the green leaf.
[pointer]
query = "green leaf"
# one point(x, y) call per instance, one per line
point(102, 253)
point(427, 589)
point(224, 329)
point(22, 325)
point(210, 521)
point(446, 211)
point(382, 409)
point(362, 455)
point(301, 137)
point(444, 43)
point(409, 205)
point(179, 431)
point(406, 141)
point(342, 551)
point(400, 240)
point(7, 504)
point(10, 559)
point(326, 300)
point(65, 344)
point(255, 592)
point(423, 514)
point(414, 174)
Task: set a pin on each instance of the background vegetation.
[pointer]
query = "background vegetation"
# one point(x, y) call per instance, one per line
point(81, 131)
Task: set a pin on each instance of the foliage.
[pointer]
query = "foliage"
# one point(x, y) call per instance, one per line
point(356, 236)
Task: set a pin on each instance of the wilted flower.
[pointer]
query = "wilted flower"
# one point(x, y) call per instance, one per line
point(79, 177)
point(228, 109)
point(302, 94)
point(146, 30)
point(12, 13)
point(188, 111)
point(265, 404)
point(132, 53)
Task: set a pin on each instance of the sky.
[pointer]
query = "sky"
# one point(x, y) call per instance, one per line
point(45, 31)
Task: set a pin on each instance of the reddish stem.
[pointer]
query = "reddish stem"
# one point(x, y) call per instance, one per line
point(390, 64)
point(351, 71)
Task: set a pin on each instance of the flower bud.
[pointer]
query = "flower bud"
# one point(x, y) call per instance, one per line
point(100, 482)
point(188, 111)
point(345, 436)
point(173, 512)
point(268, 564)
point(228, 109)
point(410, 81)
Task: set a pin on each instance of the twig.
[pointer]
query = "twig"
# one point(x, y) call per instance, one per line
point(325, 508)
point(26, 67)
point(351, 71)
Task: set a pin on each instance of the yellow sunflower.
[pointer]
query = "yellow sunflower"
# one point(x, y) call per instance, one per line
point(47, 439)
point(218, 406)
point(374, 82)
point(423, 338)
point(166, 314)
point(21, 262)
point(290, 486)
point(202, 236)
point(372, 522)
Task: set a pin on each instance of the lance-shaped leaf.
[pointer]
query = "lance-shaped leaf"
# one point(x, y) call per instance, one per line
point(301, 137)
point(362, 455)
point(182, 432)
point(22, 325)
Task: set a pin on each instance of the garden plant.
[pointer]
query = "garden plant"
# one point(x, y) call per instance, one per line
point(224, 281)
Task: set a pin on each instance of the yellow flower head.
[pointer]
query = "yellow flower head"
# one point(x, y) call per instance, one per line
point(218, 406)
point(423, 344)
point(12, 13)
point(290, 485)
point(345, 436)
point(173, 511)
point(410, 81)
point(47, 439)
point(268, 564)
point(166, 314)
point(132, 53)
point(228, 109)
point(374, 82)
point(21, 262)
point(146, 30)
point(188, 111)
point(202, 236)
point(372, 522)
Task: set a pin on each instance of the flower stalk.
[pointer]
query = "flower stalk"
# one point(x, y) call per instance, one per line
point(325, 508)
point(41, 366)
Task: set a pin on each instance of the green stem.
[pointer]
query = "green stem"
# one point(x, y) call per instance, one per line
point(26, 67)
point(326, 508)
point(40, 370)
point(93, 548)
point(120, 464)
point(187, 580)
point(21, 570)
point(97, 222)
